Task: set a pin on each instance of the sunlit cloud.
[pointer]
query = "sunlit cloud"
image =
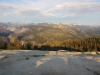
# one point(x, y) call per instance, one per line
point(50, 8)
point(75, 9)
point(7, 14)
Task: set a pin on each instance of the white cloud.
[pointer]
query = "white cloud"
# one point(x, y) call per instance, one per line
point(30, 12)
point(6, 7)
point(52, 8)
point(22, 10)
point(7, 14)
point(75, 9)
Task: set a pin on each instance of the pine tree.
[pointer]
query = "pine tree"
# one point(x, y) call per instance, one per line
point(5, 45)
point(16, 44)
point(9, 47)
point(39, 46)
point(1, 45)
point(29, 46)
point(95, 48)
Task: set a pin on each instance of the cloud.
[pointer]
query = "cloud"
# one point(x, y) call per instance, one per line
point(75, 9)
point(6, 7)
point(58, 8)
point(21, 10)
point(7, 14)
point(30, 12)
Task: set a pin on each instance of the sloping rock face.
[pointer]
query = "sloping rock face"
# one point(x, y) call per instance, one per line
point(34, 62)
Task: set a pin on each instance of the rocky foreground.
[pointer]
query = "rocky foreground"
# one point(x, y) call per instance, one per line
point(29, 62)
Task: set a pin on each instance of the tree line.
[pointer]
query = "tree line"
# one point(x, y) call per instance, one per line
point(79, 45)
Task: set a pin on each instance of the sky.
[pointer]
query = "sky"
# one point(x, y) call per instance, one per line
point(78, 11)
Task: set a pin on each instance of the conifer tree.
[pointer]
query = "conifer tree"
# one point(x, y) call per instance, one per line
point(29, 46)
point(1, 45)
point(9, 47)
point(16, 44)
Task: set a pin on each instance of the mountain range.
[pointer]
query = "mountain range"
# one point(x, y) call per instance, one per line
point(47, 31)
